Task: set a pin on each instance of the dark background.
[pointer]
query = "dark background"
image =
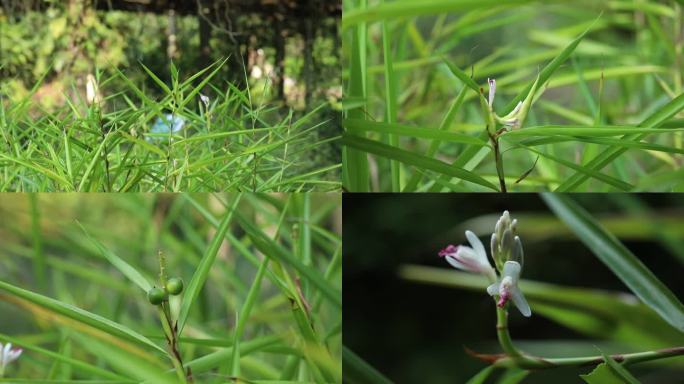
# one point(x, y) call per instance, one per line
point(415, 333)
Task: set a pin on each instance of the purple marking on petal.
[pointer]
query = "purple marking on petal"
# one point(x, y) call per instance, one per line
point(449, 250)
point(503, 299)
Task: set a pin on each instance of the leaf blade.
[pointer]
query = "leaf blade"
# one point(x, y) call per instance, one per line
point(202, 272)
point(80, 315)
point(627, 267)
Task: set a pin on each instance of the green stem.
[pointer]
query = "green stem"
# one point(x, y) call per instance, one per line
point(171, 339)
point(516, 358)
point(533, 362)
point(503, 335)
point(499, 163)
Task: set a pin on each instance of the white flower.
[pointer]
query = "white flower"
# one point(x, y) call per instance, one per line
point(469, 259)
point(92, 92)
point(507, 288)
point(205, 100)
point(8, 355)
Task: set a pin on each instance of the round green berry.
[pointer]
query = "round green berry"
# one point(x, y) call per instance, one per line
point(156, 296)
point(174, 286)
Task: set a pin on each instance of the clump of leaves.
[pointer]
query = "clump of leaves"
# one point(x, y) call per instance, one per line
point(222, 142)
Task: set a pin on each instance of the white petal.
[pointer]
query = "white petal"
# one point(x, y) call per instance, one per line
point(13, 355)
point(455, 263)
point(512, 269)
point(468, 259)
point(4, 354)
point(493, 289)
point(480, 252)
point(520, 302)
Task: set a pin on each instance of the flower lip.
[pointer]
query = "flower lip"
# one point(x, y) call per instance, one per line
point(448, 251)
point(508, 290)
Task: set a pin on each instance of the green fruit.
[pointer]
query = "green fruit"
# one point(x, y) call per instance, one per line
point(156, 296)
point(174, 286)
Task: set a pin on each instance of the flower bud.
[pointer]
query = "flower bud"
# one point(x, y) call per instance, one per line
point(517, 255)
point(505, 245)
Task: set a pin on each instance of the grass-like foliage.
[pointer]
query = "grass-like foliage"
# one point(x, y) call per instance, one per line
point(227, 141)
point(248, 288)
point(599, 85)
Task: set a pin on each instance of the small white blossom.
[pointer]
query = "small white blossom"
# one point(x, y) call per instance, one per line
point(8, 355)
point(205, 100)
point(469, 259)
point(507, 288)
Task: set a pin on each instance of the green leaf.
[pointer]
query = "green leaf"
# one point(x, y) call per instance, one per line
point(610, 372)
point(201, 85)
point(397, 9)
point(80, 315)
point(244, 316)
point(481, 376)
point(157, 80)
point(275, 251)
point(513, 376)
point(605, 131)
point(619, 259)
point(592, 312)
point(414, 159)
point(655, 120)
point(621, 371)
point(358, 126)
point(121, 361)
point(358, 371)
point(469, 82)
point(131, 273)
point(602, 374)
point(617, 183)
point(91, 371)
point(202, 272)
point(548, 70)
point(355, 172)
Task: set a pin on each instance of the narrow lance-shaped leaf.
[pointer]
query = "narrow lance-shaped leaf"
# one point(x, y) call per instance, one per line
point(415, 159)
point(202, 272)
point(244, 316)
point(275, 251)
point(358, 370)
point(80, 366)
point(610, 372)
point(131, 273)
point(657, 119)
point(80, 315)
point(619, 259)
